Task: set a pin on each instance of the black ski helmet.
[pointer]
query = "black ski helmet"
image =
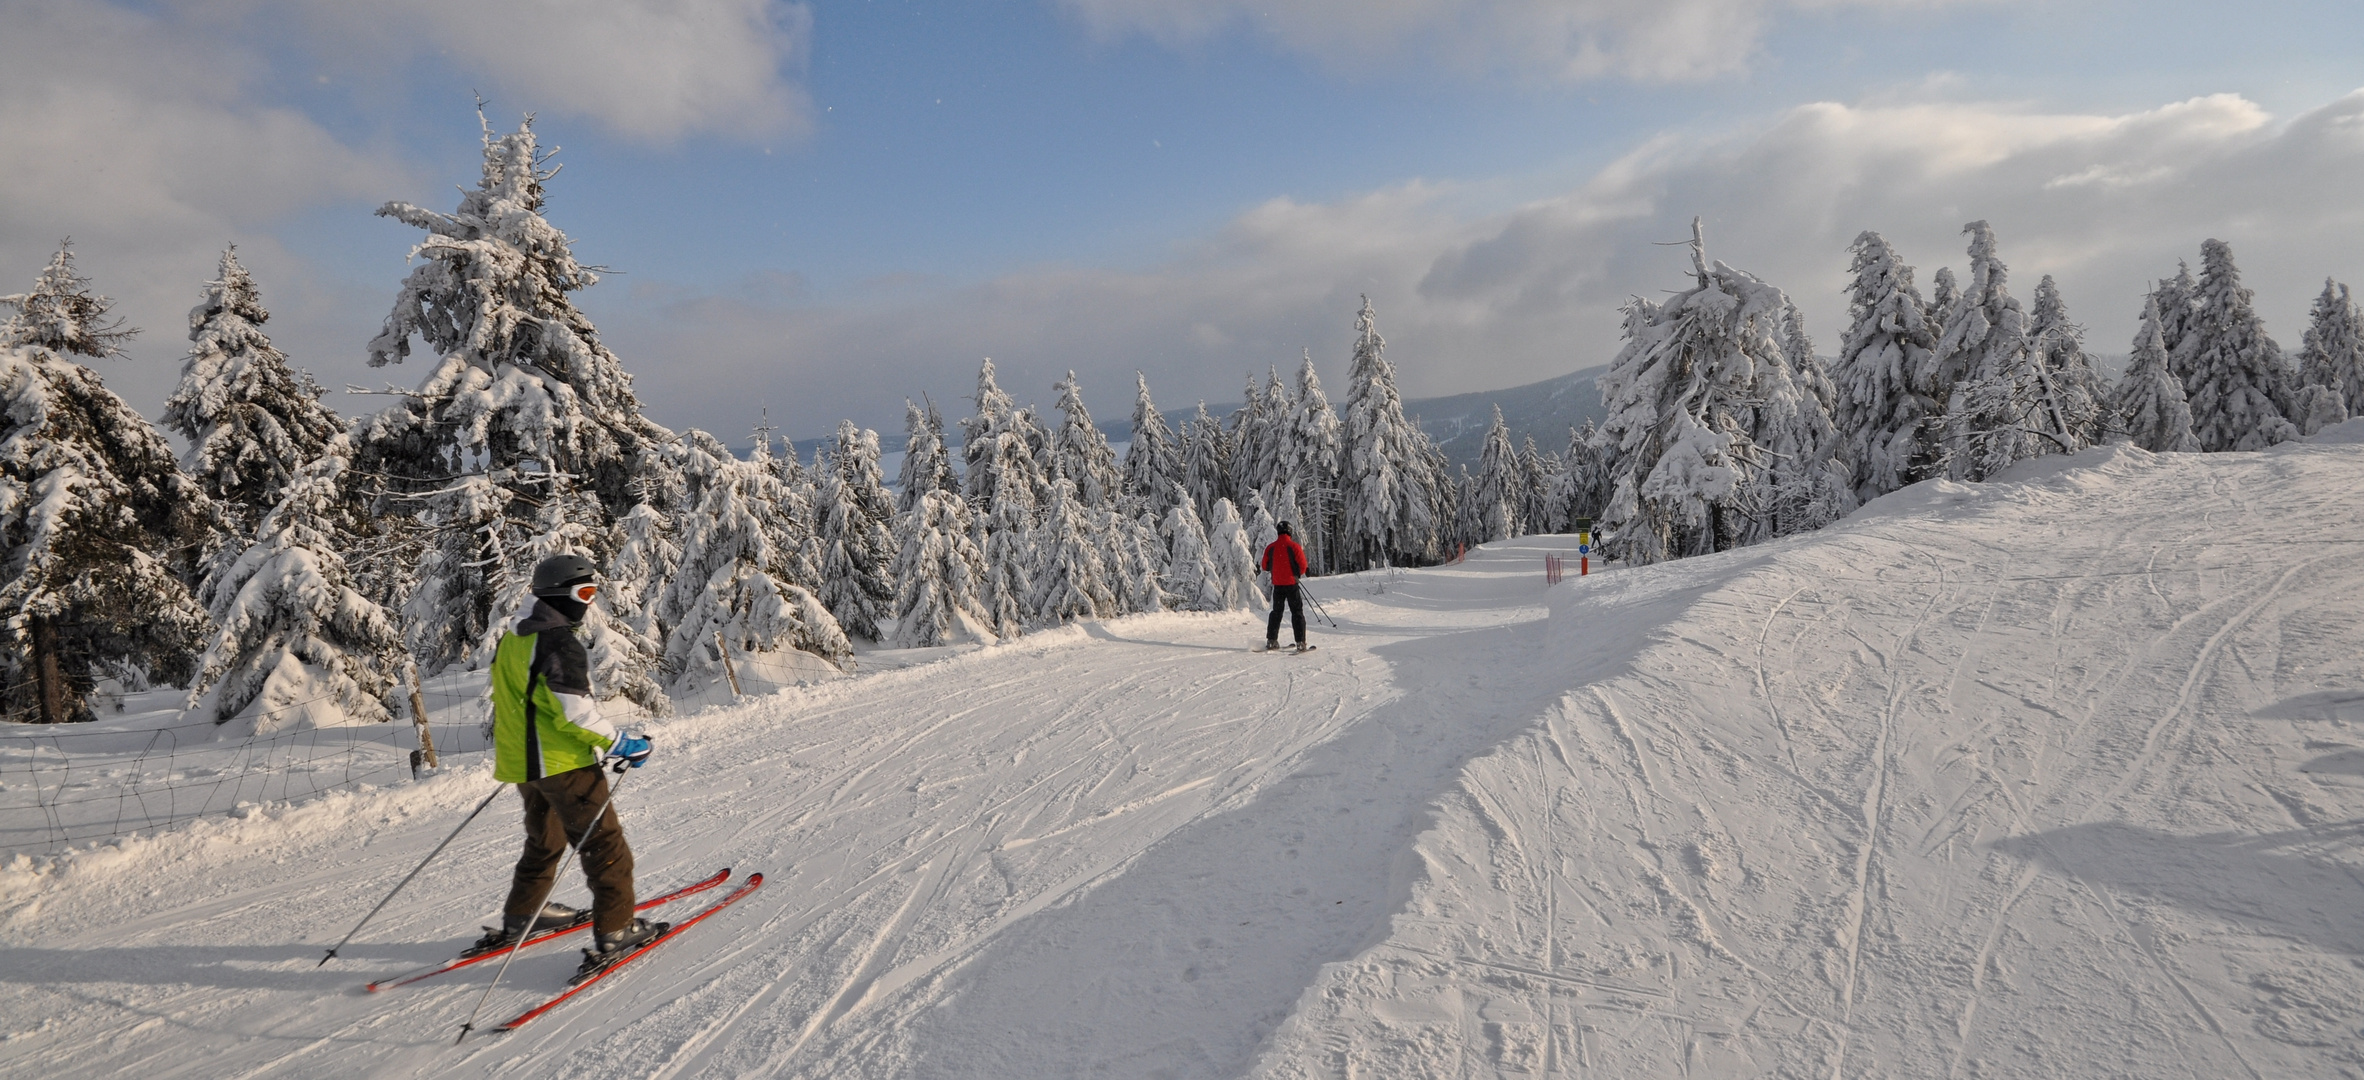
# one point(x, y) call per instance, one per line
point(1284, 529)
point(553, 575)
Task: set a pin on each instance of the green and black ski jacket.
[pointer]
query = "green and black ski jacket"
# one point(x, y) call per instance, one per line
point(544, 719)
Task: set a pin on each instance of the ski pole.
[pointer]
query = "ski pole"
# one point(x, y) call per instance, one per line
point(414, 872)
point(1317, 606)
point(573, 851)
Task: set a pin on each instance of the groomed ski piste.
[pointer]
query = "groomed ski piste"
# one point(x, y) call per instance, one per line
point(2057, 775)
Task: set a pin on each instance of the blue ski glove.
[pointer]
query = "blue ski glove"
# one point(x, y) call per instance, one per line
point(631, 748)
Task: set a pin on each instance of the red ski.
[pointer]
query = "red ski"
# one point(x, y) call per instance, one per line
point(734, 896)
point(535, 939)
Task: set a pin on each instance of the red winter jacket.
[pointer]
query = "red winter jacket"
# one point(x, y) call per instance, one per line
point(1285, 559)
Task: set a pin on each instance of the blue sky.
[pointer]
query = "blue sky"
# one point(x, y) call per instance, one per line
point(823, 208)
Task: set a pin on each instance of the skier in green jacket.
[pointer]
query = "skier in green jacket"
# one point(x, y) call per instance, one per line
point(550, 741)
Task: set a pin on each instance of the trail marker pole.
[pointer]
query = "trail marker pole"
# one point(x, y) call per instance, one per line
point(1583, 547)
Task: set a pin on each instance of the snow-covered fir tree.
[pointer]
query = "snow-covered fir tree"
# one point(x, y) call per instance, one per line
point(1071, 580)
point(939, 576)
point(1995, 408)
point(1469, 511)
point(926, 464)
point(1248, 434)
point(1581, 488)
point(980, 434)
point(2332, 353)
point(2075, 389)
point(2173, 298)
point(1804, 485)
point(1883, 408)
point(1499, 490)
point(1943, 291)
point(1309, 465)
point(251, 420)
point(1678, 397)
point(1233, 555)
point(1154, 458)
point(1082, 449)
point(1535, 475)
point(2239, 385)
point(645, 558)
point(1262, 527)
point(857, 546)
point(1007, 536)
point(100, 531)
point(294, 640)
point(2148, 404)
point(60, 313)
point(738, 575)
point(523, 405)
point(1193, 580)
point(1385, 507)
point(1141, 570)
point(1206, 467)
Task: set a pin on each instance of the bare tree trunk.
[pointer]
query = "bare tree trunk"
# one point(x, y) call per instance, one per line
point(50, 683)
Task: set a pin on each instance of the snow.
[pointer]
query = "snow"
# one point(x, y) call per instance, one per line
point(2053, 775)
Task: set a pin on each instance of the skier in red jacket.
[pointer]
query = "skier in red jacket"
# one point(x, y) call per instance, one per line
point(1286, 562)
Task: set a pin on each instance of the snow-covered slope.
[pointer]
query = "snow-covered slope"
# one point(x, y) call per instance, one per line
point(2052, 776)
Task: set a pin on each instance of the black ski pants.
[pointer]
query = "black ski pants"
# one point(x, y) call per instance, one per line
point(558, 812)
point(1295, 601)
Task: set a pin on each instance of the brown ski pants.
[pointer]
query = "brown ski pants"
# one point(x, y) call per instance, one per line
point(558, 811)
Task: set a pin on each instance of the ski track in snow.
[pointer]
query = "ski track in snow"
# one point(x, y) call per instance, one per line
point(2058, 775)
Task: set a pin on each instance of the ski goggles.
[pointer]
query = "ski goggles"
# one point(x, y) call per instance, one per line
point(584, 592)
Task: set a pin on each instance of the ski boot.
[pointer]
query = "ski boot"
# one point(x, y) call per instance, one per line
point(616, 946)
point(554, 916)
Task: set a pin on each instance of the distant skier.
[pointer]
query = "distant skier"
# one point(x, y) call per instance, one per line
point(550, 741)
point(1286, 562)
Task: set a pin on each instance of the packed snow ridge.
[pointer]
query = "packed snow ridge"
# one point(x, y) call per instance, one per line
point(2055, 775)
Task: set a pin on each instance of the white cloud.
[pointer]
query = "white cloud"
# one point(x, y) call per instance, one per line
point(1470, 302)
point(119, 130)
point(1649, 40)
point(654, 70)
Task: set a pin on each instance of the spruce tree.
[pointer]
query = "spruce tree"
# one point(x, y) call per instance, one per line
point(1884, 408)
point(522, 409)
point(294, 639)
point(1943, 291)
point(100, 531)
point(251, 420)
point(2332, 353)
point(980, 445)
point(2074, 388)
point(1194, 582)
point(1309, 464)
point(1235, 560)
point(645, 558)
point(939, 576)
point(1072, 579)
point(2173, 298)
point(926, 465)
point(1679, 400)
point(1535, 474)
point(1385, 486)
point(2148, 404)
point(2002, 406)
point(1246, 433)
point(1143, 571)
point(2239, 385)
point(739, 575)
point(1154, 458)
point(858, 550)
point(1498, 492)
point(1582, 486)
point(1206, 468)
point(1007, 536)
point(1082, 450)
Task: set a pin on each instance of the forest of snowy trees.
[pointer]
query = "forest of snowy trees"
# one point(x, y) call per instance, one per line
point(292, 556)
